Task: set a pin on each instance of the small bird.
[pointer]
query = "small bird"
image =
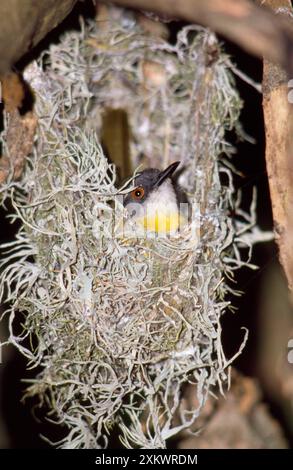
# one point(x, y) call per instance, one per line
point(156, 201)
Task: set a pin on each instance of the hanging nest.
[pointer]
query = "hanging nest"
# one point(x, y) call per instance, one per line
point(119, 325)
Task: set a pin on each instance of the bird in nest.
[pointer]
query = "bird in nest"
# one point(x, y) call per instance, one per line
point(156, 206)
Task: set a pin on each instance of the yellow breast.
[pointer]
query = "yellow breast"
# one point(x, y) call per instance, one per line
point(161, 223)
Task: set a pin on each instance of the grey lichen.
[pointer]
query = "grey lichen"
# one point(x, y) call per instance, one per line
point(119, 325)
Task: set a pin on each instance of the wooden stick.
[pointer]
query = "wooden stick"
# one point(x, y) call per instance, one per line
point(278, 117)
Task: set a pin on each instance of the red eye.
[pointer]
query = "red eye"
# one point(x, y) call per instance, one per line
point(137, 193)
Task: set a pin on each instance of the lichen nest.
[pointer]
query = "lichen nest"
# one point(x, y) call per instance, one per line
point(119, 325)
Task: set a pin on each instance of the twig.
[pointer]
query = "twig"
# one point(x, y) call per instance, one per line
point(278, 115)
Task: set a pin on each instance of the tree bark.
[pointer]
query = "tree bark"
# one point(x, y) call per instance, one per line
point(278, 117)
point(23, 23)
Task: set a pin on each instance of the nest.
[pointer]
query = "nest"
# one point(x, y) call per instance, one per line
point(120, 325)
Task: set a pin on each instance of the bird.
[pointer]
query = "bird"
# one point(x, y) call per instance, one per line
point(155, 203)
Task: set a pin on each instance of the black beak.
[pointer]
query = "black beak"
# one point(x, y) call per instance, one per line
point(166, 173)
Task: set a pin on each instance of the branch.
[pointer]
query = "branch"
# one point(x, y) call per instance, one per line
point(24, 23)
point(278, 116)
point(255, 28)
